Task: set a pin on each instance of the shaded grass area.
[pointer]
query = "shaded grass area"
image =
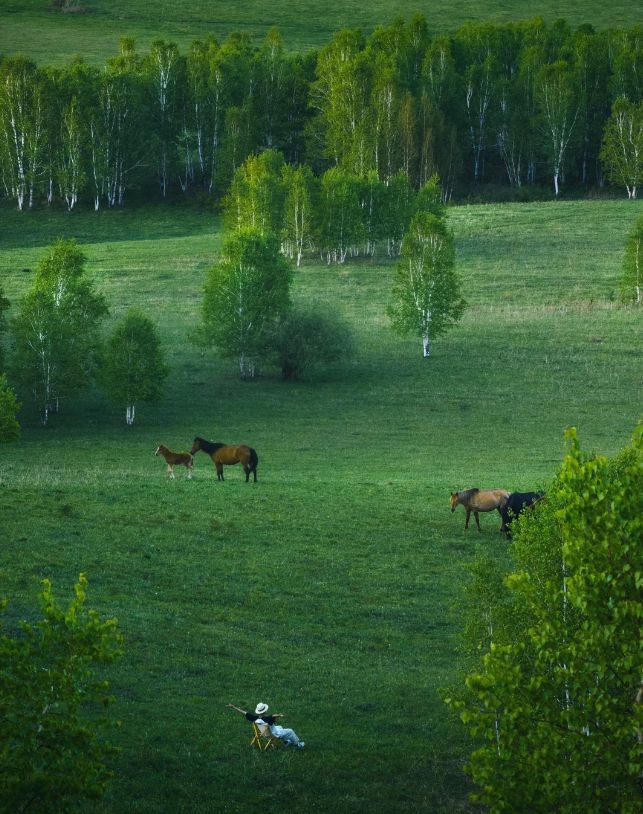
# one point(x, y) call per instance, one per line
point(331, 588)
point(51, 37)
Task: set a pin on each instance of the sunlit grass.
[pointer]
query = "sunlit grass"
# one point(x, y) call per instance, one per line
point(330, 588)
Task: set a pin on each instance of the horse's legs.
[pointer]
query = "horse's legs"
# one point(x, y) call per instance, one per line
point(170, 470)
point(475, 514)
point(219, 471)
point(466, 522)
point(246, 469)
point(503, 528)
point(189, 468)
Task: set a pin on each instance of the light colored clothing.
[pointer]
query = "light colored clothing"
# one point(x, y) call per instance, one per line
point(288, 736)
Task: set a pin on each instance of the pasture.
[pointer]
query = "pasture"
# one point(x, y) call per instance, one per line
point(50, 37)
point(330, 588)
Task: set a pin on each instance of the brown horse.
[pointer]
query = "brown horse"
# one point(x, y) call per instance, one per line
point(175, 458)
point(224, 454)
point(480, 500)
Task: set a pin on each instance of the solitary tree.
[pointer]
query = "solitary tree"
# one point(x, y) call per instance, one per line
point(307, 340)
point(53, 752)
point(426, 292)
point(133, 367)
point(633, 266)
point(56, 330)
point(246, 294)
point(622, 151)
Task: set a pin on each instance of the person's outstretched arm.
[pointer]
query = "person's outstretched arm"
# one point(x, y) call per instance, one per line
point(238, 709)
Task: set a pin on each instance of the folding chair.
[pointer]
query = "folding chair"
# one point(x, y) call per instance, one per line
point(263, 738)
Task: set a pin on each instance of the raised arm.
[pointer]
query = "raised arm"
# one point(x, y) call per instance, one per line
point(237, 709)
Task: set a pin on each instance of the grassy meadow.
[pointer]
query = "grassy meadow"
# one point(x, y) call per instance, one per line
point(32, 27)
point(331, 588)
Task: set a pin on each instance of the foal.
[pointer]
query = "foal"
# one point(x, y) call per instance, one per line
point(174, 458)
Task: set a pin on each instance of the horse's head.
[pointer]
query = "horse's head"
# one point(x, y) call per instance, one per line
point(196, 446)
point(158, 449)
point(454, 501)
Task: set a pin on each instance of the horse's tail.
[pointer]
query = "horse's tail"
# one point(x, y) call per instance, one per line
point(254, 459)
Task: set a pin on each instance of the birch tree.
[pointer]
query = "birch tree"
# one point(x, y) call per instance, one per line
point(246, 294)
point(165, 71)
point(56, 331)
point(555, 706)
point(559, 106)
point(426, 291)
point(622, 152)
point(133, 367)
point(9, 406)
point(298, 212)
point(23, 118)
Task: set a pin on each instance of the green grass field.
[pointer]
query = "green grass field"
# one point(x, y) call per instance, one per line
point(330, 589)
point(50, 37)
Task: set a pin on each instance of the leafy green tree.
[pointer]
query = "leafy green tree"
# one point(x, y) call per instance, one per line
point(307, 340)
point(56, 330)
point(632, 276)
point(622, 152)
point(560, 107)
point(556, 703)
point(300, 191)
point(133, 367)
point(23, 129)
point(340, 220)
point(53, 752)
point(9, 426)
point(426, 291)
point(256, 196)
point(246, 295)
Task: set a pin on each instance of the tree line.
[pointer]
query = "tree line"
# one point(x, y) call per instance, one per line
point(522, 105)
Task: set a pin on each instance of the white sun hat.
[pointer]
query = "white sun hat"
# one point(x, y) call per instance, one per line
point(261, 708)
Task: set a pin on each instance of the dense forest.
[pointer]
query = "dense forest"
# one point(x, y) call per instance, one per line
point(509, 110)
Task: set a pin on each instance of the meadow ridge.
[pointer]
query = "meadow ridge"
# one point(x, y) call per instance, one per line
point(330, 588)
point(33, 28)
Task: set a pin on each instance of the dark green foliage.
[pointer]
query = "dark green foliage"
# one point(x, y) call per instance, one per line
point(53, 753)
point(309, 340)
point(9, 426)
point(133, 367)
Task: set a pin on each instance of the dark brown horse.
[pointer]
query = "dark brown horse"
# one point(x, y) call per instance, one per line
point(517, 503)
point(480, 500)
point(173, 459)
point(225, 454)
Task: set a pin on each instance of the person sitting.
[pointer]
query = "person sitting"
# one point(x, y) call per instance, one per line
point(259, 717)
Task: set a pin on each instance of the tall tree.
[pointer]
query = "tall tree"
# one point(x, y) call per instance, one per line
point(23, 129)
point(426, 292)
point(622, 151)
point(246, 294)
point(256, 196)
point(560, 106)
point(133, 367)
point(54, 755)
point(56, 330)
point(556, 704)
point(300, 189)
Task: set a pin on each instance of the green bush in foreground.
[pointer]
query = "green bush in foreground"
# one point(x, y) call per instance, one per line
point(557, 702)
point(52, 752)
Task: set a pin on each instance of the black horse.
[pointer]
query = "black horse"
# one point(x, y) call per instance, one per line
point(516, 504)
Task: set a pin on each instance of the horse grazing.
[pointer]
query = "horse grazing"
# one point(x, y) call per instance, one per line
point(225, 454)
point(479, 500)
point(516, 504)
point(175, 458)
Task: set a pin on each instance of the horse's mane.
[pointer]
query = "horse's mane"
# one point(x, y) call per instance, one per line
point(467, 493)
point(208, 446)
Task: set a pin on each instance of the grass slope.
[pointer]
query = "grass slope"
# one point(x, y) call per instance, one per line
point(33, 28)
point(331, 588)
